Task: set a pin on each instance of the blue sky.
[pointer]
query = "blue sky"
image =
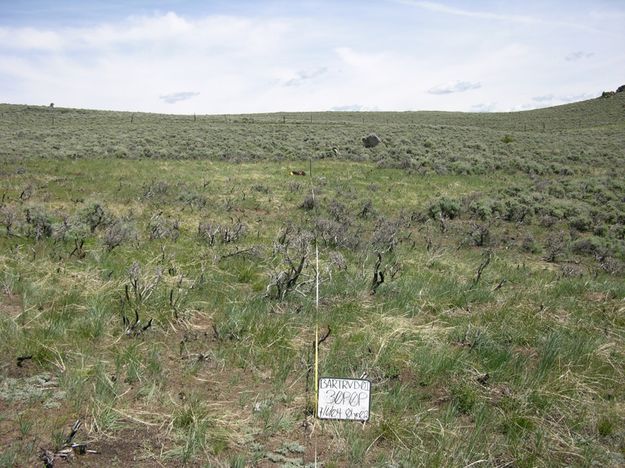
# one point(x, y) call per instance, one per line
point(261, 56)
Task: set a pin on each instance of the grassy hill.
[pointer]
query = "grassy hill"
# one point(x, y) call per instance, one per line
point(497, 337)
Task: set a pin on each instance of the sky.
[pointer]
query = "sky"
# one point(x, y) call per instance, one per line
point(238, 56)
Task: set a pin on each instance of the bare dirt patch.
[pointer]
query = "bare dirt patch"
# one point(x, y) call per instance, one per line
point(11, 306)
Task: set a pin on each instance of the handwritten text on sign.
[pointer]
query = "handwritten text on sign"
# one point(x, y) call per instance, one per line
point(344, 399)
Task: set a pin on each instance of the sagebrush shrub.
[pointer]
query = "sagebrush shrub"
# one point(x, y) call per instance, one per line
point(309, 203)
point(117, 233)
point(39, 221)
point(94, 216)
point(444, 208)
point(9, 218)
point(160, 227)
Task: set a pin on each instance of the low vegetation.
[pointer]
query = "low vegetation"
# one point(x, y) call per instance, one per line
point(157, 284)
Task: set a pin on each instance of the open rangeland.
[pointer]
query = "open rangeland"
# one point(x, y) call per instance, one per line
point(157, 283)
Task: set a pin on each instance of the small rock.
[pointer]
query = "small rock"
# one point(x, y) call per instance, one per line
point(371, 140)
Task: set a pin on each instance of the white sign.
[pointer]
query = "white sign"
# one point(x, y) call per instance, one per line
point(344, 399)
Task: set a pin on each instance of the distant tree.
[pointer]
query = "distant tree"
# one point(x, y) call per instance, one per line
point(51, 104)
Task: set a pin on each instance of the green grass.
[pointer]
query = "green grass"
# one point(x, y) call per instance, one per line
point(523, 366)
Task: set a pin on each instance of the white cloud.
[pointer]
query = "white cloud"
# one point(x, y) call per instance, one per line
point(563, 98)
point(484, 107)
point(544, 98)
point(220, 64)
point(353, 108)
point(303, 76)
point(567, 98)
point(454, 87)
point(169, 30)
point(494, 16)
point(523, 107)
point(442, 8)
point(608, 15)
point(362, 60)
point(132, 64)
point(578, 55)
point(29, 38)
point(176, 97)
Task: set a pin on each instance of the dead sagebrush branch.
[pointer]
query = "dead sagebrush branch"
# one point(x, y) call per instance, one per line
point(136, 292)
point(378, 275)
point(485, 262)
point(67, 451)
point(286, 280)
